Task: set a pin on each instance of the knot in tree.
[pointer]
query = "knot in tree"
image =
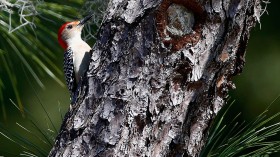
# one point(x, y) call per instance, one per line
point(180, 20)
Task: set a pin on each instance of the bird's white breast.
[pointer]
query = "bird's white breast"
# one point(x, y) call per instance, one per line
point(81, 57)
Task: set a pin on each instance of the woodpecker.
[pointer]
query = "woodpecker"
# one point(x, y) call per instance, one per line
point(76, 52)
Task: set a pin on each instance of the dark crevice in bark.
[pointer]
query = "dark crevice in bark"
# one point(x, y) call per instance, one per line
point(75, 133)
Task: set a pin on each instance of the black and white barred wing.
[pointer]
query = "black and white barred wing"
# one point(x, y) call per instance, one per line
point(68, 68)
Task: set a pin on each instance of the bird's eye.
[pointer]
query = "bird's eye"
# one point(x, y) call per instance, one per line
point(69, 27)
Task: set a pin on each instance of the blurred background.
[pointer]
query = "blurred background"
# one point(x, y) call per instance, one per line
point(32, 77)
point(259, 84)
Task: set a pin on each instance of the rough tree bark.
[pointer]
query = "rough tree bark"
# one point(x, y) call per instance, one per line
point(159, 73)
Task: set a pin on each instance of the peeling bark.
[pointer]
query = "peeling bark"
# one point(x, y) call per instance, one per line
point(150, 92)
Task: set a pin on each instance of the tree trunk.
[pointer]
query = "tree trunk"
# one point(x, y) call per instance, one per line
point(159, 73)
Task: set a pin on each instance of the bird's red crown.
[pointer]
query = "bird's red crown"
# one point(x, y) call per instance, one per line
point(59, 36)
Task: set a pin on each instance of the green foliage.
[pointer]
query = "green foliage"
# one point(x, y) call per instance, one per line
point(228, 139)
point(37, 140)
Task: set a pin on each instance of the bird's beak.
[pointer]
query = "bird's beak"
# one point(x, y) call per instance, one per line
point(84, 20)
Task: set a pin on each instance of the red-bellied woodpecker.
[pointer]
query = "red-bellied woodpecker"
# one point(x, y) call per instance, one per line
point(76, 52)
